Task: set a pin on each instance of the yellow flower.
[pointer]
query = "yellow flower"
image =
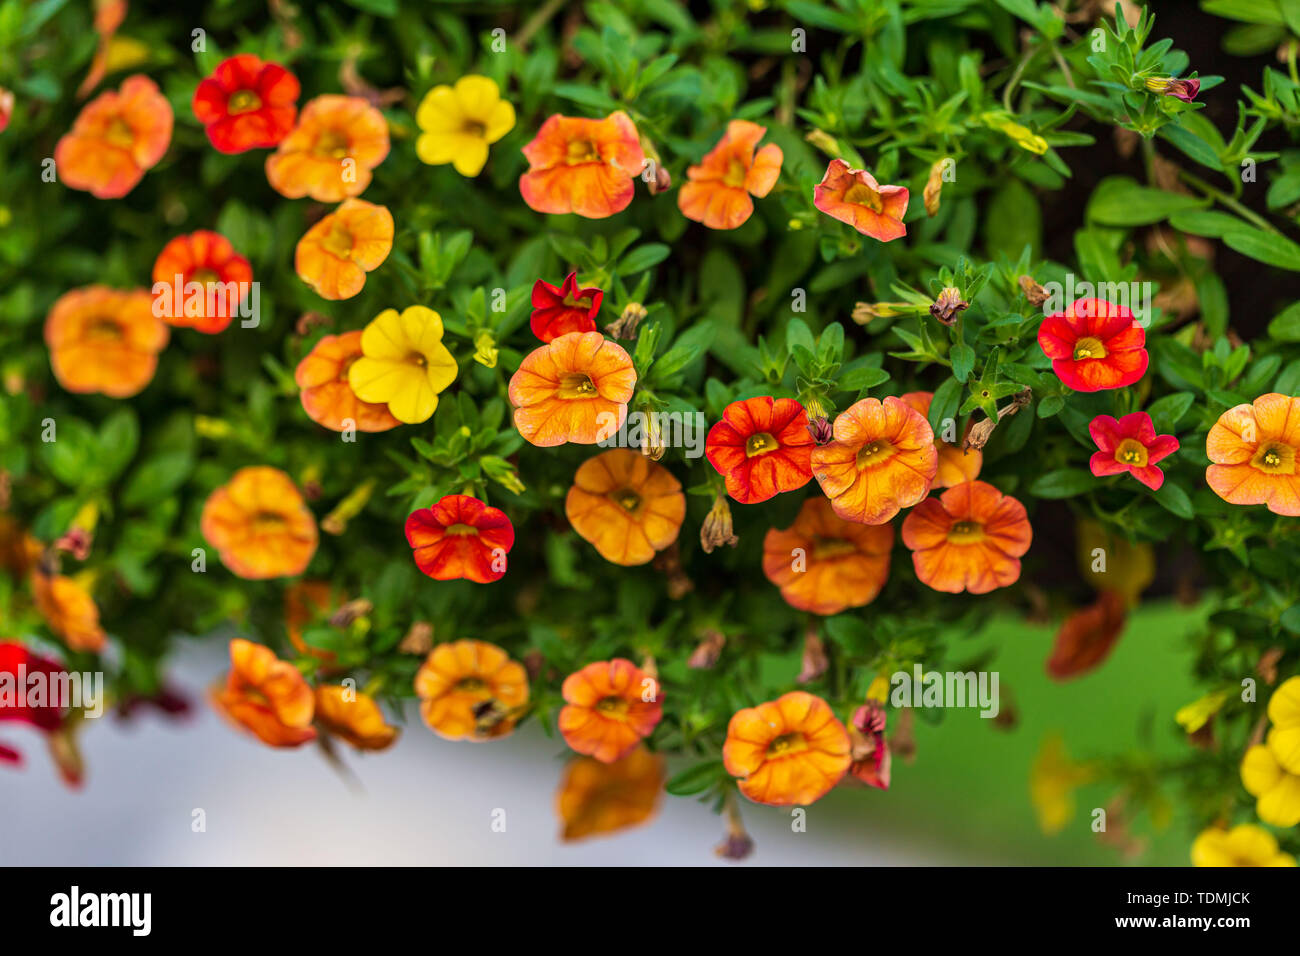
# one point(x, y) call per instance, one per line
point(1277, 790)
point(1194, 716)
point(1243, 845)
point(1284, 712)
point(1052, 782)
point(460, 122)
point(485, 348)
point(403, 363)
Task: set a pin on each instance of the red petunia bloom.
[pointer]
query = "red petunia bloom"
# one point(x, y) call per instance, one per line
point(563, 309)
point(222, 276)
point(19, 665)
point(761, 447)
point(1094, 345)
point(1130, 444)
point(461, 537)
point(247, 104)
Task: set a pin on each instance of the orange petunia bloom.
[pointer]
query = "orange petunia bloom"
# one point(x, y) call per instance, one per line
point(583, 166)
point(266, 695)
point(881, 461)
point(787, 751)
point(611, 707)
point(761, 447)
point(1254, 449)
point(970, 538)
point(260, 525)
point(326, 396)
point(220, 276)
point(118, 136)
point(573, 389)
point(626, 505)
point(720, 186)
point(354, 717)
point(106, 341)
point(69, 610)
point(334, 255)
point(955, 465)
point(470, 690)
point(853, 196)
point(460, 537)
point(1087, 637)
point(824, 564)
point(597, 797)
point(331, 152)
point(305, 602)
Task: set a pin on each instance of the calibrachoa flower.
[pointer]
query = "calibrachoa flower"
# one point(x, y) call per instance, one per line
point(1053, 778)
point(611, 706)
point(461, 537)
point(459, 122)
point(720, 186)
point(1254, 451)
point(824, 564)
point(583, 166)
point(18, 664)
point(329, 155)
point(116, 139)
point(1284, 712)
point(881, 461)
point(260, 525)
point(326, 396)
point(469, 690)
point(597, 797)
point(1130, 444)
point(761, 447)
point(871, 759)
point(970, 538)
point(1094, 345)
point(69, 610)
point(854, 196)
point(788, 751)
point(334, 255)
point(403, 363)
point(246, 104)
point(567, 308)
point(955, 464)
point(103, 340)
point(353, 716)
point(266, 696)
point(208, 259)
point(626, 505)
point(573, 389)
point(1276, 785)
point(1244, 845)
point(1087, 637)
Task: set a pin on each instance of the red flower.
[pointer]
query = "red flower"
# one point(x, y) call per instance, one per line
point(6, 107)
point(1094, 344)
point(247, 104)
point(206, 258)
point(461, 537)
point(18, 665)
point(761, 447)
point(558, 311)
point(1130, 444)
point(870, 750)
point(1087, 637)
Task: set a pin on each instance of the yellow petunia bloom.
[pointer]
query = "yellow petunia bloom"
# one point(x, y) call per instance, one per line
point(1243, 845)
point(403, 363)
point(1277, 790)
point(1284, 712)
point(1052, 781)
point(459, 122)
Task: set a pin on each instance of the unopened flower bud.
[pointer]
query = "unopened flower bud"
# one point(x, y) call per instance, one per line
point(1034, 292)
point(717, 529)
point(821, 429)
point(933, 187)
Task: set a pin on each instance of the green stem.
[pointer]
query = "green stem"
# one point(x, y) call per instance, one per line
point(1220, 196)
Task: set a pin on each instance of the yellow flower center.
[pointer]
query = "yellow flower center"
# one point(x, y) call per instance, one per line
point(760, 444)
point(612, 706)
point(735, 174)
point(582, 151)
point(825, 548)
point(571, 302)
point(1131, 452)
point(332, 144)
point(120, 133)
point(966, 532)
point(338, 242)
point(577, 385)
point(875, 452)
point(1275, 458)
point(864, 195)
point(204, 276)
point(474, 128)
point(243, 101)
point(470, 685)
point(1089, 348)
point(268, 522)
point(462, 529)
point(104, 328)
point(787, 745)
point(627, 499)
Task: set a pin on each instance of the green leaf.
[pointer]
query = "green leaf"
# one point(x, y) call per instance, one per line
point(1285, 326)
point(156, 478)
point(1174, 498)
point(1168, 411)
point(643, 257)
point(1265, 247)
point(696, 779)
point(1120, 201)
point(860, 378)
point(1065, 483)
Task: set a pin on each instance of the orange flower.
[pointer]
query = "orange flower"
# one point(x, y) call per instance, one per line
point(106, 341)
point(69, 610)
point(719, 188)
point(118, 136)
point(336, 253)
point(788, 751)
point(353, 716)
point(326, 395)
point(854, 196)
point(266, 695)
point(260, 525)
point(331, 152)
point(1254, 449)
point(460, 537)
point(583, 166)
point(761, 447)
point(626, 505)
point(208, 259)
point(824, 564)
point(1087, 637)
point(882, 460)
point(305, 602)
point(574, 388)
point(970, 538)
point(597, 797)
point(470, 690)
point(612, 706)
point(955, 465)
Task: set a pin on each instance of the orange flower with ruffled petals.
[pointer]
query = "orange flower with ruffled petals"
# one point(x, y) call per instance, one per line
point(597, 797)
point(626, 505)
point(583, 166)
point(761, 448)
point(719, 190)
point(853, 196)
point(352, 716)
point(1087, 637)
point(573, 389)
point(824, 564)
point(103, 340)
point(326, 396)
point(331, 152)
point(266, 695)
point(611, 707)
point(882, 460)
point(220, 273)
point(1254, 449)
point(970, 538)
point(460, 537)
point(69, 610)
point(334, 255)
point(470, 690)
point(260, 525)
point(955, 465)
point(116, 139)
point(789, 751)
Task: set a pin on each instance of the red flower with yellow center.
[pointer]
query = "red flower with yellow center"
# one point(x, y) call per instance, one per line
point(354, 717)
point(1087, 637)
point(331, 152)
point(573, 389)
point(626, 505)
point(118, 136)
point(761, 447)
point(881, 461)
point(206, 258)
point(327, 397)
point(853, 196)
point(583, 166)
point(597, 797)
point(611, 707)
point(1130, 444)
point(955, 464)
point(720, 186)
point(787, 751)
point(334, 255)
point(1253, 449)
point(970, 538)
point(1094, 345)
point(106, 341)
point(470, 690)
point(260, 525)
point(558, 311)
point(266, 695)
point(246, 104)
point(461, 537)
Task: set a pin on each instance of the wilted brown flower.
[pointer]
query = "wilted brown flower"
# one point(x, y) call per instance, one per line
point(717, 529)
point(418, 639)
point(815, 660)
point(933, 187)
point(624, 327)
point(948, 305)
point(708, 651)
point(1034, 292)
